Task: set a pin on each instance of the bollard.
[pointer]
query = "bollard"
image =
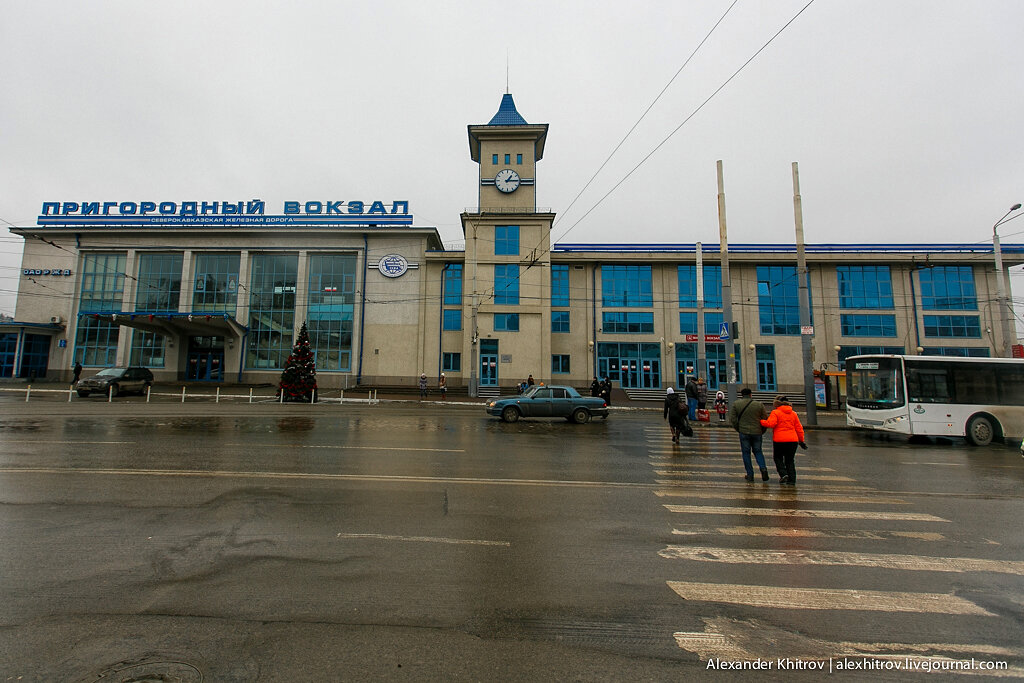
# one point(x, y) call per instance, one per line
point(250, 394)
point(28, 393)
point(217, 400)
point(183, 394)
point(282, 396)
point(312, 397)
point(342, 399)
point(149, 389)
point(71, 390)
point(110, 393)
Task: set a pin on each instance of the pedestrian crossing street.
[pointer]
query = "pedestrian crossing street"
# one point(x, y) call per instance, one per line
point(723, 523)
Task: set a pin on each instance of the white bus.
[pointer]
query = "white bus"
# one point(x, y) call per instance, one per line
point(980, 398)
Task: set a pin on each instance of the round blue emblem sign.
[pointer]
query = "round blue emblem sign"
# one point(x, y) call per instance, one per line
point(392, 265)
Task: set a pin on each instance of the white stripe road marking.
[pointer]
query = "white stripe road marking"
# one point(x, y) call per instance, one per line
point(425, 539)
point(353, 448)
point(824, 514)
point(826, 598)
point(813, 533)
point(833, 558)
point(326, 477)
point(942, 464)
point(699, 473)
point(745, 486)
point(774, 494)
point(102, 443)
point(737, 466)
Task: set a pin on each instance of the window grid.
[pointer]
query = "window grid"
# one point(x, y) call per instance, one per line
point(963, 326)
point(451, 362)
point(506, 240)
point(864, 287)
point(559, 363)
point(215, 283)
point(778, 300)
point(147, 349)
point(452, 284)
point(506, 284)
point(330, 321)
point(623, 286)
point(958, 351)
point(506, 322)
point(627, 322)
point(948, 288)
point(271, 310)
point(687, 278)
point(560, 321)
point(867, 325)
point(559, 285)
point(452, 319)
point(102, 291)
point(159, 283)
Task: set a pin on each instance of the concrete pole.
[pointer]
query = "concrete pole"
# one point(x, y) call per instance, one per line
point(1005, 310)
point(702, 363)
point(723, 244)
point(806, 331)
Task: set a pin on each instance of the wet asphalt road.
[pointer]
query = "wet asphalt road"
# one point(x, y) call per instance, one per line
point(411, 541)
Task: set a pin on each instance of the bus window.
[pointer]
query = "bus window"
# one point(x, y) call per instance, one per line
point(928, 385)
point(1011, 386)
point(975, 386)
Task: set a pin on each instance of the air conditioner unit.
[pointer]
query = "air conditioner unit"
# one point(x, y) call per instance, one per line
point(56, 320)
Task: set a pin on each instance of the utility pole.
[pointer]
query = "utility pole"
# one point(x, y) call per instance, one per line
point(701, 349)
point(723, 245)
point(474, 338)
point(806, 330)
point(1005, 310)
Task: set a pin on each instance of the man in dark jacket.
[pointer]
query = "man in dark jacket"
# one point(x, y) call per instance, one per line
point(595, 388)
point(691, 396)
point(745, 416)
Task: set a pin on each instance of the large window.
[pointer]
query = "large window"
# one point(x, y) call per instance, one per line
point(560, 321)
point(948, 288)
point(506, 284)
point(271, 310)
point(147, 349)
point(102, 291)
point(506, 322)
point(452, 284)
point(215, 288)
point(778, 300)
point(864, 287)
point(332, 295)
point(159, 283)
point(452, 319)
point(559, 285)
point(623, 286)
point(451, 362)
point(966, 326)
point(559, 363)
point(867, 325)
point(627, 322)
point(506, 240)
point(687, 276)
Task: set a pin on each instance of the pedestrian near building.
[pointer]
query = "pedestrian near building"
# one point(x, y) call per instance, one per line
point(595, 387)
point(702, 394)
point(78, 373)
point(745, 416)
point(787, 434)
point(721, 405)
point(529, 381)
point(423, 386)
point(675, 413)
point(690, 388)
point(442, 386)
point(606, 391)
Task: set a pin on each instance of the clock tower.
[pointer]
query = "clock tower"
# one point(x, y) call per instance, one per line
point(508, 256)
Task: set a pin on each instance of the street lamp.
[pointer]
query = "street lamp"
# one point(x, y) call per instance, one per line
point(1003, 307)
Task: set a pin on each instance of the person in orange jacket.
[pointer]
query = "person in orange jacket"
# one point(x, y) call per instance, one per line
point(787, 434)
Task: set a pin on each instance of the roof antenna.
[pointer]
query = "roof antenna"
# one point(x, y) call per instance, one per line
point(506, 71)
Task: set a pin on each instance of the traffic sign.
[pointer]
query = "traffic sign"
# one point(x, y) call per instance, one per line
point(723, 331)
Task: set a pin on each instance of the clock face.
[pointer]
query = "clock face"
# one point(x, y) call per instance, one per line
point(506, 180)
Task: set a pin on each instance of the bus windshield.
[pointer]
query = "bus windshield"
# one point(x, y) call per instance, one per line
point(874, 383)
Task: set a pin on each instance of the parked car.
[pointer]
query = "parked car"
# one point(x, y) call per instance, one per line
point(548, 401)
point(116, 381)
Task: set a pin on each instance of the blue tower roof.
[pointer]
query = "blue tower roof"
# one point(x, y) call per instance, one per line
point(507, 114)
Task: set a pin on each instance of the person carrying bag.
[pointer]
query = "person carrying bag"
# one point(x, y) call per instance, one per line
point(787, 434)
point(745, 417)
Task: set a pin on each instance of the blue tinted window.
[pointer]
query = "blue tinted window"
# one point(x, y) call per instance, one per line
point(560, 321)
point(778, 300)
point(507, 160)
point(952, 326)
point(506, 284)
point(864, 286)
point(713, 322)
point(945, 288)
point(627, 322)
point(867, 325)
point(519, 159)
point(960, 351)
point(688, 323)
point(506, 322)
point(559, 285)
point(559, 363)
point(494, 159)
point(687, 276)
point(332, 295)
point(451, 362)
point(159, 283)
point(215, 288)
point(626, 286)
point(453, 319)
point(453, 284)
point(506, 240)
point(272, 280)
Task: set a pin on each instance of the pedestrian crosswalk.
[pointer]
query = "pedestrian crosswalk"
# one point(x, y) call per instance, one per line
point(745, 529)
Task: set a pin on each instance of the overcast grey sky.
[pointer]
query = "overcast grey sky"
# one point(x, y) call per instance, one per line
point(903, 115)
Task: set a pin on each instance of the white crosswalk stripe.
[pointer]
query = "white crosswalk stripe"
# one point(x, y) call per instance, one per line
point(744, 492)
point(786, 532)
point(830, 558)
point(788, 512)
point(703, 473)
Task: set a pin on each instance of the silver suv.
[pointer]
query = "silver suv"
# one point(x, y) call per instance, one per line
point(116, 381)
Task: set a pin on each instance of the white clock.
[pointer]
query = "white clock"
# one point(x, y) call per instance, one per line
point(506, 180)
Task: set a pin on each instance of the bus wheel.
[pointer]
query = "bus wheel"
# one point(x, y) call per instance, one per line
point(980, 431)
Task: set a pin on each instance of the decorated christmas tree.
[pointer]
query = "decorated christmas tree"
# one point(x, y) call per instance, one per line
point(298, 380)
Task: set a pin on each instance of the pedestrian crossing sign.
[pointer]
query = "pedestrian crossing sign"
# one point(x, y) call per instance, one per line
point(723, 331)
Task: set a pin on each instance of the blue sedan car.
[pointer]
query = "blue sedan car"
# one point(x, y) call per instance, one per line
point(548, 401)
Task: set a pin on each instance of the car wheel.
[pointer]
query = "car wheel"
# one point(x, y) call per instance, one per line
point(581, 416)
point(980, 431)
point(83, 394)
point(510, 414)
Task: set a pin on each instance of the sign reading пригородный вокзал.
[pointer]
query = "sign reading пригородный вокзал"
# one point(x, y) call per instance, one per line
point(251, 212)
